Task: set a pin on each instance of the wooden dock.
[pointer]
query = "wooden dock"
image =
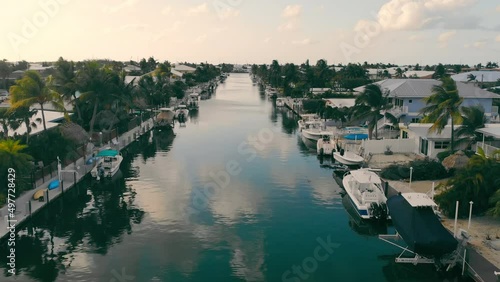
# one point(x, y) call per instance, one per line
point(295, 105)
point(70, 175)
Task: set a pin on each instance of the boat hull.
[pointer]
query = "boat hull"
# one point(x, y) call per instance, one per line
point(311, 135)
point(349, 158)
point(325, 148)
point(367, 204)
point(362, 210)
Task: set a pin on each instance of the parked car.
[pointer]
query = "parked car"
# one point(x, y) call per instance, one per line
point(4, 95)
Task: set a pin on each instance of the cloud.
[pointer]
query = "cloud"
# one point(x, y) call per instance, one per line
point(173, 27)
point(201, 38)
point(268, 39)
point(202, 8)
point(167, 10)
point(292, 11)
point(288, 26)
point(498, 38)
point(445, 37)
point(479, 44)
point(415, 15)
point(498, 8)
point(228, 13)
point(124, 4)
point(306, 41)
point(416, 37)
point(133, 27)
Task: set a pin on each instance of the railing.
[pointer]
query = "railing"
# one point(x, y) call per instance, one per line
point(488, 149)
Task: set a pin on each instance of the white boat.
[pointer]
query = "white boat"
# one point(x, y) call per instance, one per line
point(313, 130)
point(193, 102)
point(108, 164)
point(326, 146)
point(181, 112)
point(365, 191)
point(165, 118)
point(280, 102)
point(348, 157)
point(306, 118)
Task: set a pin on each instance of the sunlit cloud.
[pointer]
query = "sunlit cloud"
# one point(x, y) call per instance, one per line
point(498, 38)
point(306, 41)
point(166, 11)
point(201, 38)
point(229, 13)
point(445, 37)
point(123, 5)
point(288, 26)
point(202, 8)
point(292, 11)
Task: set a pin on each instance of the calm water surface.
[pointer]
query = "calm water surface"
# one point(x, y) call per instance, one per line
point(234, 196)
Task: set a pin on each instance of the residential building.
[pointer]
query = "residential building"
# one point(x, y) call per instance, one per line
point(407, 96)
point(184, 69)
point(485, 76)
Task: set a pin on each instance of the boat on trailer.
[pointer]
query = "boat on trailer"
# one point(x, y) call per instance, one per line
point(426, 239)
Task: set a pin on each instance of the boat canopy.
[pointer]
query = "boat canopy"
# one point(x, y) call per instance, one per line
point(108, 153)
point(365, 176)
point(166, 109)
point(419, 226)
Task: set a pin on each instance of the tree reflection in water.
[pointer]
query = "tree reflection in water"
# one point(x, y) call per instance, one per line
point(89, 218)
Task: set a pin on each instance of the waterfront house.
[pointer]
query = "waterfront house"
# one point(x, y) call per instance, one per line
point(319, 91)
point(481, 76)
point(176, 75)
point(418, 74)
point(427, 143)
point(407, 96)
point(340, 102)
point(184, 69)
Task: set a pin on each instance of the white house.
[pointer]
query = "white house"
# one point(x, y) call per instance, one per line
point(131, 68)
point(340, 102)
point(184, 69)
point(318, 91)
point(480, 76)
point(418, 74)
point(427, 143)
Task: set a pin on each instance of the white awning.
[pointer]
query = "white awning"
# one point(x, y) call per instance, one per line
point(490, 131)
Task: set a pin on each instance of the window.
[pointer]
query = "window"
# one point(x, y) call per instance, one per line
point(405, 134)
point(410, 101)
point(415, 120)
point(441, 144)
point(424, 146)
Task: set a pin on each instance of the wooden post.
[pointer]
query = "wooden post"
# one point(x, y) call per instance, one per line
point(62, 186)
point(29, 207)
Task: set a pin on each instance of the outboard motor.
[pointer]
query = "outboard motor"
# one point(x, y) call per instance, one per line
point(342, 151)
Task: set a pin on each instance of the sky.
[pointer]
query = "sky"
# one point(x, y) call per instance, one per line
point(253, 31)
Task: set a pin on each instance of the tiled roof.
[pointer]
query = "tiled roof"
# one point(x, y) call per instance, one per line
point(419, 88)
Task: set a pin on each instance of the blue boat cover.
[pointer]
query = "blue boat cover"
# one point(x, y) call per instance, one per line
point(53, 184)
point(107, 153)
point(358, 136)
point(420, 228)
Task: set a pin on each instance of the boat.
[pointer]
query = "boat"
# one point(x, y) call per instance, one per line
point(325, 145)
point(313, 130)
point(359, 225)
point(181, 113)
point(425, 238)
point(53, 184)
point(307, 118)
point(280, 102)
point(39, 195)
point(348, 157)
point(418, 225)
point(165, 118)
point(193, 101)
point(365, 191)
point(108, 164)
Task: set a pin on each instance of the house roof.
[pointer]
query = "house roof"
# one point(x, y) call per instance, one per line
point(348, 102)
point(183, 68)
point(484, 76)
point(490, 130)
point(130, 68)
point(419, 74)
point(420, 88)
point(176, 72)
point(422, 130)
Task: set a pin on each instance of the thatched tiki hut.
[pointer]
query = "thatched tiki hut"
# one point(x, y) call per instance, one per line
point(456, 161)
point(78, 136)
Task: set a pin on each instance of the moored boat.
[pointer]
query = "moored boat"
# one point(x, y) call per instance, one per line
point(348, 157)
point(165, 118)
point(365, 191)
point(108, 164)
point(325, 145)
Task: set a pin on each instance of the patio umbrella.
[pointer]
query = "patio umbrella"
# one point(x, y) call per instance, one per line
point(457, 160)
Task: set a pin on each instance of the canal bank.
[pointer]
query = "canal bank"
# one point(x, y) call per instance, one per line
point(25, 206)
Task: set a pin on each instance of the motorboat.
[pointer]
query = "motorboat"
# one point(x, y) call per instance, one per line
point(307, 118)
point(365, 191)
point(108, 164)
point(348, 157)
point(193, 102)
point(280, 102)
point(325, 145)
point(313, 130)
point(165, 118)
point(181, 113)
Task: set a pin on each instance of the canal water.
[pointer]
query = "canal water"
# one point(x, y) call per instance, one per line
point(235, 195)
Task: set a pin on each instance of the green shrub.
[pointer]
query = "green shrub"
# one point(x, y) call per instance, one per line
point(312, 105)
point(422, 170)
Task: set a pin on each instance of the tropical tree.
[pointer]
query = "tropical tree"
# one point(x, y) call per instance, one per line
point(373, 104)
point(65, 83)
point(473, 119)
point(442, 105)
point(439, 72)
point(477, 182)
point(471, 77)
point(7, 121)
point(12, 157)
point(24, 114)
point(399, 73)
point(32, 89)
point(5, 70)
point(96, 85)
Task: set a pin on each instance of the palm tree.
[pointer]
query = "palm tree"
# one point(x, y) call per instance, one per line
point(473, 119)
point(65, 83)
point(12, 157)
point(96, 84)
point(5, 69)
point(373, 104)
point(33, 89)
point(443, 105)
